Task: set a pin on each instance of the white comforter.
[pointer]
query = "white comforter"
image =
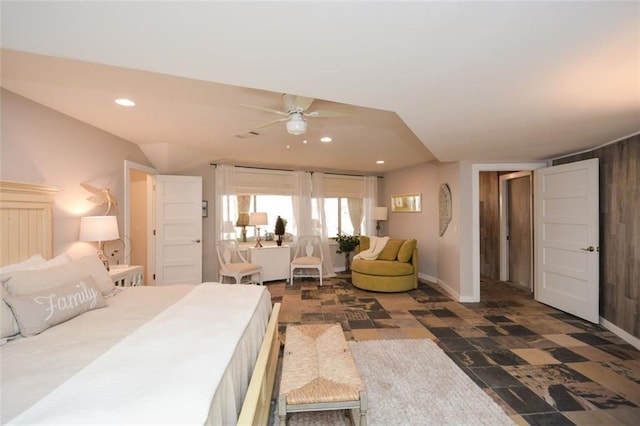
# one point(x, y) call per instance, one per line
point(166, 371)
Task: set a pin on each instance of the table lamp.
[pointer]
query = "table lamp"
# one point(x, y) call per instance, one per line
point(258, 219)
point(243, 221)
point(379, 214)
point(99, 228)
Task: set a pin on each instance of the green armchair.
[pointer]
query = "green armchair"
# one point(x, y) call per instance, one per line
point(395, 269)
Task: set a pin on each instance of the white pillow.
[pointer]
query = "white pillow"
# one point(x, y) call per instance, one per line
point(61, 259)
point(32, 281)
point(34, 260)
point(38, 311)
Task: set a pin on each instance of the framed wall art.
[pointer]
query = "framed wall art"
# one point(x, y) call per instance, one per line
point(406, 203)
point(444, 204)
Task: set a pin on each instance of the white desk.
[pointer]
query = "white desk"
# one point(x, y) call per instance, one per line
point(274, 260)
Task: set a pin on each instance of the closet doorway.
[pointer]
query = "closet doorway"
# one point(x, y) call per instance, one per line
point(506, 227)
point(516, 229)
point(138, 217)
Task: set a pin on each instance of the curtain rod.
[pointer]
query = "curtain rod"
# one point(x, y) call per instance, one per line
point(291, 170)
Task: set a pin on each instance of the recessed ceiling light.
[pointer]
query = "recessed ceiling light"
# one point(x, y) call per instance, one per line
point(288, 146)
point(305, 141)
point(380, 162)
point(125, 102)
point(325, 139)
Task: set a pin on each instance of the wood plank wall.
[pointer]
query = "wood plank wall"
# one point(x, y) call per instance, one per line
point(489, 225)
point(619, 231)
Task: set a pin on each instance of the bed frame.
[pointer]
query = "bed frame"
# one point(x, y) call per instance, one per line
point(26, 226)
point(25, 221)
point(257, 402)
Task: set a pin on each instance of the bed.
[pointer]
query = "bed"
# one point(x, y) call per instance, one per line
point(185, 354)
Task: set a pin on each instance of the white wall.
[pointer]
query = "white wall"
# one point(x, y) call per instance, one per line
point(422, 226)
point(39, 145)
point(449, 243)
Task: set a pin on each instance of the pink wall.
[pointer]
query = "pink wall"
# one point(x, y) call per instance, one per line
point(39, 145)
point(422, 226)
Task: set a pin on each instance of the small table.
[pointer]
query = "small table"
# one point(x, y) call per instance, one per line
point(318, 373)
point(274, 260)
point(127, 276)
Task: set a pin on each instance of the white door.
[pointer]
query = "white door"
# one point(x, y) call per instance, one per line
point(178, 230)
point(567, 235)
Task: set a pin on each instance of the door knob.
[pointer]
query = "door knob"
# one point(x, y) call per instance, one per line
point(198, 241)
point(590, 248)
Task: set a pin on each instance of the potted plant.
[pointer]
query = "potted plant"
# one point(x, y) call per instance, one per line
point(281, 224)
point(347, 244)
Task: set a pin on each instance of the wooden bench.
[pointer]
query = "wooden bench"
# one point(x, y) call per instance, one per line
point(318, 373)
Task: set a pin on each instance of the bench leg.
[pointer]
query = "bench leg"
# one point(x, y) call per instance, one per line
point(363, 408)
point(282, 409)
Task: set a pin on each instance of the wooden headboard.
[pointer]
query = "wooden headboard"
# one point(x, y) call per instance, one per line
point(25, 221)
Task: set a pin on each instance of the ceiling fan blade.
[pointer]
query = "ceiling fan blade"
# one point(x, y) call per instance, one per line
point(270, 123)
point(302, 103)
point(314, 125)
point(336, 112)
point(259, 108)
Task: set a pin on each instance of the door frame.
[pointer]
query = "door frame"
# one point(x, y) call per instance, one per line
point(504, 216)
point(128, 166)
point(474, 254)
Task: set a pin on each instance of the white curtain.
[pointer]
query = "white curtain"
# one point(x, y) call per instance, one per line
point(244, 201)
point(226, 202)
point(302, 204)
point(317, 190)
point(370, 201)
point(355, 213)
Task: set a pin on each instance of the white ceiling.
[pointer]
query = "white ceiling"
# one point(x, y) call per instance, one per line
point(480, 81)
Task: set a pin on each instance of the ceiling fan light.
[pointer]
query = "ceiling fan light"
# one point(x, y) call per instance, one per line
point(296, 126)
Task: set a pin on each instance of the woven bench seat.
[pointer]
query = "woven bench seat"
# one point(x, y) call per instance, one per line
point(318, 372)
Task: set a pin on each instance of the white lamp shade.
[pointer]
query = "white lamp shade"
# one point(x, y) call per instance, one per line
point(258, 219)
point(99, 228)
point(379, 213)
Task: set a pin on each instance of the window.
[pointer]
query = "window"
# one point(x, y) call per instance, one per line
point(336, 214)
point(336, 211)
point(274, 206)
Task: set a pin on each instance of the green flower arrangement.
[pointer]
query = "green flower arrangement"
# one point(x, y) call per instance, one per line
point(347, 244)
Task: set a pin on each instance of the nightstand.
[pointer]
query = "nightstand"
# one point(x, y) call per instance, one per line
point(127, 276)
point(275, 261)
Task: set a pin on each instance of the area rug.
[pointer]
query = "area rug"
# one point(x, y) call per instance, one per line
point(412, 382)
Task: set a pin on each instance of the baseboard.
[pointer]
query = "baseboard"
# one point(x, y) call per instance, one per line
point(454, 294)
point(429, 278)
point(632, 340)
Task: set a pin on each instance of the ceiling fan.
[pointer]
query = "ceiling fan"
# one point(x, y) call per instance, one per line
point(295, 113)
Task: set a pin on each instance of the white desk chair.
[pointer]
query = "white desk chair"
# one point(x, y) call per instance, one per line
point(234, 265)
point(308, 255)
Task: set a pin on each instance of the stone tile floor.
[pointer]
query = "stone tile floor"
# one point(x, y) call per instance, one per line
point(542, 366)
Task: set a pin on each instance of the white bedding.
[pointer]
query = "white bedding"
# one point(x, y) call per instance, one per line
point(143, 359)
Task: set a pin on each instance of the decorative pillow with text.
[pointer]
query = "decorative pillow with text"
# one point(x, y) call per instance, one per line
point(35, 312)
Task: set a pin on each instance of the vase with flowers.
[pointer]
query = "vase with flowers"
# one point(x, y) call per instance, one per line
point(347, 244)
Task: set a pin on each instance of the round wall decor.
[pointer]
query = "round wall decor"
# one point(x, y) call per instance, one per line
point(445, 207)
